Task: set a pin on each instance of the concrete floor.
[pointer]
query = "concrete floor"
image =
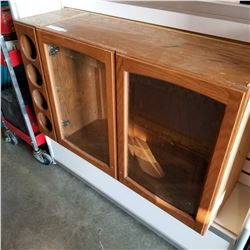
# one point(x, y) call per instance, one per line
point(48, 208)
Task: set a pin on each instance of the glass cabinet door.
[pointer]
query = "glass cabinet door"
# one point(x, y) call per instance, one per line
point(171, 137)
point(80, 86)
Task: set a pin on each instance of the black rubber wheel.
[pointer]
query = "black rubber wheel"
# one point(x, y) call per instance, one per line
point(43, 157)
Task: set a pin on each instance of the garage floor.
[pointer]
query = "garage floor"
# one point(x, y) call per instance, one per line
point(48, 208)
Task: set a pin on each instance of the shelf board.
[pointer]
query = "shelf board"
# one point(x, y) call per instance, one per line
point(233, 213)
point(92, 139)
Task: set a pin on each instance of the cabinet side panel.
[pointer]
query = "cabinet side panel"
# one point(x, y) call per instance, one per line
point(234, 158)
point(238, 160)
point(36, 80)
point(237, 155)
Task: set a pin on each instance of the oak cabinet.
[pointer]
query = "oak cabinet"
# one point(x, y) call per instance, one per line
point(155, 108)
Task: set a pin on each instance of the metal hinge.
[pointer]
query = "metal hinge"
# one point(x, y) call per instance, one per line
point(65, 123)
point(53, 50)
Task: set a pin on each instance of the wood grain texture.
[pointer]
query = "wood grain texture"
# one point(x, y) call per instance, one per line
point(75, 79)
point(25, 30)
point(81, 89)
point(218, 61)
point(92, 139)
point(231, 98)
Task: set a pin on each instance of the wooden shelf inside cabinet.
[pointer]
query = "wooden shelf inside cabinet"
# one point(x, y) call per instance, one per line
point(90, 138)
point(233, 213)
point(167, 104)
point(165, 167)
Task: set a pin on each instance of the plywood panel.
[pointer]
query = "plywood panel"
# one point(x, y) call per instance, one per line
point(79, 82)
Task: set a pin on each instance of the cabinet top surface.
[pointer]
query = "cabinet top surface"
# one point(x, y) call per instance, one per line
point(211, 59)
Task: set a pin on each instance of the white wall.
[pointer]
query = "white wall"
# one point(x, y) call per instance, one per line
point(218, 19)
point(229, 20)
point(24, 8)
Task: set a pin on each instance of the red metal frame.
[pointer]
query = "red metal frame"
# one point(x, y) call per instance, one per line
point(15, 58)
point(40, 138)
point(7, 28)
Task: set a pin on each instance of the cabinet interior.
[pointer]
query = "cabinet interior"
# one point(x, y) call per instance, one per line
point(171, 136)
point(80, 94)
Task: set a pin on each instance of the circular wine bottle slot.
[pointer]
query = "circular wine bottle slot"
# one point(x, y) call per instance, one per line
point(44, 122)
point(39, 100)
point(34, 75)
point(28, 47)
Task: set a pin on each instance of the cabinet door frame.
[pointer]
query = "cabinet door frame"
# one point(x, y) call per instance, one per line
point(233, 100)
point(107, 58)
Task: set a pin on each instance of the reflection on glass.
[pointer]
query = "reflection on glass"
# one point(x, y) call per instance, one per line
point(80, 87)
point(171, 137)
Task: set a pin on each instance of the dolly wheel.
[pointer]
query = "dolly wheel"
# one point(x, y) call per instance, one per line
point(42, 157)
point(10, 137)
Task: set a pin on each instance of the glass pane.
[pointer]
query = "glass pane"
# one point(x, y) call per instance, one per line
point(171, 137)
point(80, 87)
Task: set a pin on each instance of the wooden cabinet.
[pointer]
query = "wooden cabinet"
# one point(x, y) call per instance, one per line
point(156, 108)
